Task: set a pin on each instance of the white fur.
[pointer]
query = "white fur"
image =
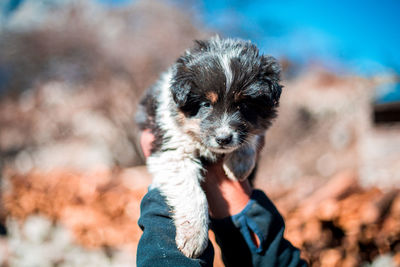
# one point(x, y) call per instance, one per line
point(225, 57)
point(225, 62)
point(177, 173)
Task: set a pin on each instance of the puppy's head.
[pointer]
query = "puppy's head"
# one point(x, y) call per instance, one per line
point(225, 92)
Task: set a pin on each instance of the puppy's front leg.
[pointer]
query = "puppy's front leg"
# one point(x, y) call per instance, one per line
point(179, 182)
point(240, 163)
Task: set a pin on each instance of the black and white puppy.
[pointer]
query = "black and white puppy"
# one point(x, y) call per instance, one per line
point(215, 102)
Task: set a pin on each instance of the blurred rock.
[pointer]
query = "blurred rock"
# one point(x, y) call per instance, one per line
point(75, 85)
point(93, 210)
point(343, 224)
point(324, 127)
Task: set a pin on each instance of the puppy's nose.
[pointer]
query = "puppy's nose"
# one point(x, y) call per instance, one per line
point(223, 139)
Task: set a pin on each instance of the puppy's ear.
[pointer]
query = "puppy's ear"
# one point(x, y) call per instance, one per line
point(181, 83)
point(271, 73)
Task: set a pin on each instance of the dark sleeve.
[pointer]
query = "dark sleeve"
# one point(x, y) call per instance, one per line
point(157, 245)
point(261, 217)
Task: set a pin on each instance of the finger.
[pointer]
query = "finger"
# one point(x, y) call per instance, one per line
point(146, 141)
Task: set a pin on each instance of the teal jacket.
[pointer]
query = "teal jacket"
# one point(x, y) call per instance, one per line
point(157, 245)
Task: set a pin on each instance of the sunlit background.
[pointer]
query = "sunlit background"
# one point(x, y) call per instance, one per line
point(72, 72)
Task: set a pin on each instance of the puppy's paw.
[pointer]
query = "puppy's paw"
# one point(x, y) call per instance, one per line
point(229, 172)
point(239, 173)
point(239, 164)
point(191, 240)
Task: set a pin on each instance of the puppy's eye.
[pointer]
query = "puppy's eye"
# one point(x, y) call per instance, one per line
point(205, 104)
point(241, 106)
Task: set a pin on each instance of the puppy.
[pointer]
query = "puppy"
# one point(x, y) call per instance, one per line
point(215, 102)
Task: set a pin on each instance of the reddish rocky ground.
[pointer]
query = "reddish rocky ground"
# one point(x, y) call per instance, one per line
point(339, 224)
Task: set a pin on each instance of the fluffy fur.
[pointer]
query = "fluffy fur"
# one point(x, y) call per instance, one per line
point(215, 102)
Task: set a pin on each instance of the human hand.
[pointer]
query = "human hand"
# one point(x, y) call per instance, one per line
point(225, 196)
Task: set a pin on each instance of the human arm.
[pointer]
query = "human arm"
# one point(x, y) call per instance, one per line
point(157, 247)
point(247, 226)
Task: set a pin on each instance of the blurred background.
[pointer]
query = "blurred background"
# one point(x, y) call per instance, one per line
point(72, 73)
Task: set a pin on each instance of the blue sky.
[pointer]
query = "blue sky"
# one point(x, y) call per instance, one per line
point(361, 34)
point(356, 36)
